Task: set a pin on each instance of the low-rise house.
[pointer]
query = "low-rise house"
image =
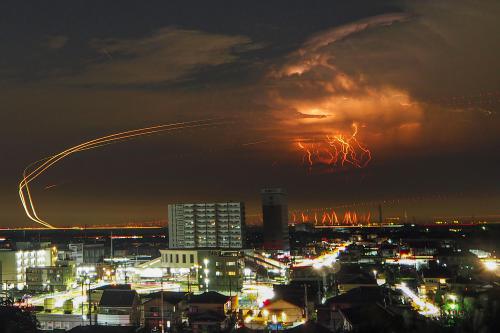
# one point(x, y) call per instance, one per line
point(119, 308)
point(329, 313)
point(284, 312)
point(436, 278)
point(96, 293)
point(369, 318)
point(58, 321)
point(174, 308)
point(307, 327)
point(210, 312)
point(349, 282)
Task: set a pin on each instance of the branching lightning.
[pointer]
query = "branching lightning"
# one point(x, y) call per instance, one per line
point(35, 169)
point(330, 218)
point(336, 151)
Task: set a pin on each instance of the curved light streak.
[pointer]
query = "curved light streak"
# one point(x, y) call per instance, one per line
point(43, 164)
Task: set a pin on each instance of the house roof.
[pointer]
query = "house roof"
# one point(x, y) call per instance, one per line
point(309, 327)
point(118, 298)
point(436, 272)
point(210, 297)
point(294, 293)
point(368, 313)
point(102, 329)
point(358, 295)
point(278, 304)
point(172, 297)
point(357, 279)
point(114, 286)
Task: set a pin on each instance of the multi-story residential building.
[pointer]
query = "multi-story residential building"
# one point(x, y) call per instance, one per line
point(206, 225)
point(221, 270)
point(212, 269)
point(13, 265)
point(49, 278)
point(81, 253)
point(275, 217)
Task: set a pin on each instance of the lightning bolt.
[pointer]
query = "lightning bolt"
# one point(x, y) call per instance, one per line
point(336, 151)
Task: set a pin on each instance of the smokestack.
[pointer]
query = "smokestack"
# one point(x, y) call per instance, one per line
point(380, 219)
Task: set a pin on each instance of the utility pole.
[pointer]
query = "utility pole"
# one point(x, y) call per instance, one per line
point(90, 304)
point(161, 300)
point(305, 301)
point(82, 300)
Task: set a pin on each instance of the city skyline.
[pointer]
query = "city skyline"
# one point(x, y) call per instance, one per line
point(190, 166)
point(345, 105)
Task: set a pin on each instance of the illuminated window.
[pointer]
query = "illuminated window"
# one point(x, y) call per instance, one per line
point(231, 273)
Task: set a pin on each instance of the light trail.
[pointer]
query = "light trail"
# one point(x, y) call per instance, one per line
point(45, 163)
point(336, 151)
point(425, 308)
point(324, 260)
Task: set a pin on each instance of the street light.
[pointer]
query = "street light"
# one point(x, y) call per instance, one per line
point(490, 265)
point(205, 262)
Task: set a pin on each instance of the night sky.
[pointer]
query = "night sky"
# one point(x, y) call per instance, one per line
point(420, 80)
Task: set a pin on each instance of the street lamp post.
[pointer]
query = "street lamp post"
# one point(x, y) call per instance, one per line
point(89, 301)
point(161, 307)
point(206, 271)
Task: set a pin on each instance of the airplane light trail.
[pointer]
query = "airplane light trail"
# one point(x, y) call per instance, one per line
point(43, 164)
point(336, 151)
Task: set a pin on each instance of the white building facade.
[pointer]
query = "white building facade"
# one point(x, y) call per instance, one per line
point(206, 225)
point(14, 263)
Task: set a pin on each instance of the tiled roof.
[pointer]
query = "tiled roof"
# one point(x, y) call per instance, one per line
point(210, 297)
point(118, 298)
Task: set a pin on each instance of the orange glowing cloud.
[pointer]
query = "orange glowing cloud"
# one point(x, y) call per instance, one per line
point(324, 109)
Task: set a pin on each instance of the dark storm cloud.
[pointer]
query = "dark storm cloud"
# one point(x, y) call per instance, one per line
point(393, 72)
point(445, 49)
point(283, 68)
point(56, 42)
point(167, 54)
